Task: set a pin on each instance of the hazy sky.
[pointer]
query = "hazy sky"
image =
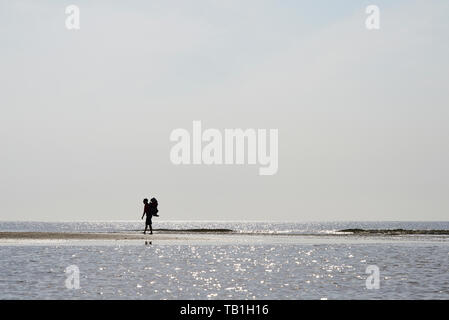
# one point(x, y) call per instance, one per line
point(363, 116)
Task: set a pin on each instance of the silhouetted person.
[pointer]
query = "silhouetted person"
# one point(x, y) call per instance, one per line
point(147, 211)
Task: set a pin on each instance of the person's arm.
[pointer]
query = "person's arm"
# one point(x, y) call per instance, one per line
point(143, 213)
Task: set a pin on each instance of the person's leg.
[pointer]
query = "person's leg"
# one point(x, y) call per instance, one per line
point(151, 228)
point(145, 231)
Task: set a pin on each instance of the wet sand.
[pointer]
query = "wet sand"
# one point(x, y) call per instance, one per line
point(211, 235)
point(86, 236)
point(394, 232)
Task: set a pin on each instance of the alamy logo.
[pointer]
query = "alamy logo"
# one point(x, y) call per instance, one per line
point(373, 280)
point(73, 277)
point(235, 146)
point(72, 22)
point(372, 22)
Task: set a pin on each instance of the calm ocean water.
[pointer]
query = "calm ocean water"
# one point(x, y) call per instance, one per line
point(321, 266)
point(238, 226)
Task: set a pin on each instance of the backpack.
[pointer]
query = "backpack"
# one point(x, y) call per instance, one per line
point(153, 207)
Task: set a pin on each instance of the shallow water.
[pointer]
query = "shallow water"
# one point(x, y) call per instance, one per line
point(230, 267)
point(228, 271)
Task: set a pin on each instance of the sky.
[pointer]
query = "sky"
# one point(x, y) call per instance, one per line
point(362, 115)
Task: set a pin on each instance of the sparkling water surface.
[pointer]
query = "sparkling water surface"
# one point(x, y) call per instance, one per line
point(237, 226)
point(321, 266)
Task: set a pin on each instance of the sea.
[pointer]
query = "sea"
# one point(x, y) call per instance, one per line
point(258, 260)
